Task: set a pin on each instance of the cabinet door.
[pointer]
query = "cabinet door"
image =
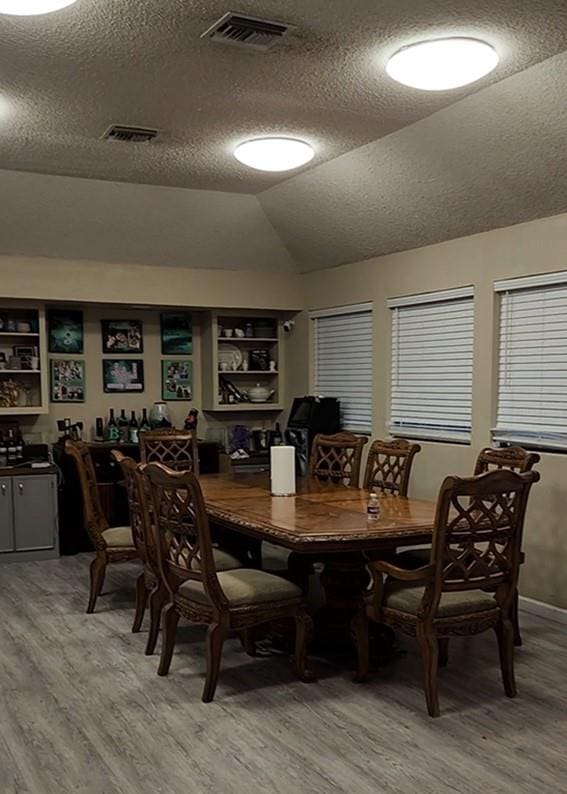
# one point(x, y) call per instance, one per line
point(34, 512)
point(6, 515)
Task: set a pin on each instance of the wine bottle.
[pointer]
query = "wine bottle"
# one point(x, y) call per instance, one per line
point(278, 438)
point(112, 431)
point(145, 424)
point(123, 426)
point(133, 429)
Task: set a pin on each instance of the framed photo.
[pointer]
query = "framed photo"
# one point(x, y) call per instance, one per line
point(67, 380)
point(177, 379)
point(176, 334)
point(121, 375)
point(122, 336)
point(65, 331)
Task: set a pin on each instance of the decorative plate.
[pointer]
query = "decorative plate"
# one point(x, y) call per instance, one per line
point(229, 354)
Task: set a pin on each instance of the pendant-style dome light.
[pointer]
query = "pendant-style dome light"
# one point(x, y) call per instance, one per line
point(28, 8)
point(442, 64)
point(274, 154)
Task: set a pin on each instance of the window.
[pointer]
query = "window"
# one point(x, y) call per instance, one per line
point(342, 362)
point(532, 371)
point(432, 363)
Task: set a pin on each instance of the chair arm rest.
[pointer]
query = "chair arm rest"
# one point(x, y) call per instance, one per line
point(403, 574)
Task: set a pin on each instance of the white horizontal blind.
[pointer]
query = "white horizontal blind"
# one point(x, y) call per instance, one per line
point(532, 377)
point(432, 365)
point(342, 362)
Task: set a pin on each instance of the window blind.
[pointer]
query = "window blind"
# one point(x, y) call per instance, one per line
point(432, 365)
point(532, 372)
point(342, 362)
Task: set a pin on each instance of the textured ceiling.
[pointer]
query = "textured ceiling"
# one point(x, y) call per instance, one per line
point(494, 159)
point(65, 77)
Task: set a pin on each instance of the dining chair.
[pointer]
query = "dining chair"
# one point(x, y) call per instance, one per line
point(388, 467)
point(489, 459)
point(176, 449)
point(469, 583)
point(112, 544)
point(197, 590)
point(337, 458)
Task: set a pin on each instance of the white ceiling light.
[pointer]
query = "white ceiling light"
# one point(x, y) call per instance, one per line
point(28, 8)
point(442, 64)
point(274, 154)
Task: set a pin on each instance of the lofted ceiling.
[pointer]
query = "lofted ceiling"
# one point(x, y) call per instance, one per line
point(394, 168)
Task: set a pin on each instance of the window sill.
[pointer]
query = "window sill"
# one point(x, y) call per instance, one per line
point(429, 435)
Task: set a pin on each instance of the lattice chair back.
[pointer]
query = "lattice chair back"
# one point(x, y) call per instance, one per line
point(177, 451)
point(388, 467)
point(95, 519)
point(337, 458)
point(183, 538)
point(514, 458)
point(477, 535)
point(138, 504)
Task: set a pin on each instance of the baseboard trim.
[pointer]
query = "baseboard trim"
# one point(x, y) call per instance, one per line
point(543, 610)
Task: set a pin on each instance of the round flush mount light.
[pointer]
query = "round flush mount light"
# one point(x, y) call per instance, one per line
point(442, 64)
point(28, 8)
point(274, 154)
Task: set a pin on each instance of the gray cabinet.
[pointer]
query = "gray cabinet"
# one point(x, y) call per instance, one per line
point(6, 515)
point(28, 517)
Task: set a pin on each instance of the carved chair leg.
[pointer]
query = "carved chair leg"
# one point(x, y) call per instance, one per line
point(516, 620)
point(505, 634)
point(443, 651)
point(158, 599)
point(429, 647)
point(359, 632)
point(141, 602)
point(214, 642)
point(97, 570)
point(303, 632)
point(170, 617)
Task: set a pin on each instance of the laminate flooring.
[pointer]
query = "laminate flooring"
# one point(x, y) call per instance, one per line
point(82, 709)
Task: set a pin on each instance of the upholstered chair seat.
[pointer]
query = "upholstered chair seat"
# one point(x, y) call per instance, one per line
point(408, 599)
point(118, 536)
point(244, 587)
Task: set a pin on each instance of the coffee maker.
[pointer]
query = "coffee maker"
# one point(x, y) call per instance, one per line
point(310, 415)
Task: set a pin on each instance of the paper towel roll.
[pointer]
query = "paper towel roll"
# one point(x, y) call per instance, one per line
point(282, 466)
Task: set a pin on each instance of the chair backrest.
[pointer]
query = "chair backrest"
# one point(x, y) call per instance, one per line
point(133, 481)
point(178, 451)
point(388, 467)
point(95, 520)
point(513, 458)
point(477, 535)
point(181, 525)
point(337, 458)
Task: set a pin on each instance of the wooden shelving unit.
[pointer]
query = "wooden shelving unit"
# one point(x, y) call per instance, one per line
point(36, 401)
point(214, 399)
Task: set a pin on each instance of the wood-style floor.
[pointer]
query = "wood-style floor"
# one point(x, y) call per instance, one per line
point(82, 710)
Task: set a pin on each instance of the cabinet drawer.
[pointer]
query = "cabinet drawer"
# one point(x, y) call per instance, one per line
point(34, 512)
point(6, 515)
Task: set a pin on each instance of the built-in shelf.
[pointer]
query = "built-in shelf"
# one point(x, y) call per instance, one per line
point(32, 384)
point(245, 407)
point(262, 372)
point(26, 410)
point(20, 372)
point(19, 333)
point(250, 339)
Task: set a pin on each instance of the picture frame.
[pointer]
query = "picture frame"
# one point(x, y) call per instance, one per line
point(122, 336)
point(176, 333)
point(65, 331)
point(67, 380)
point(177, 379)
point(123, 375)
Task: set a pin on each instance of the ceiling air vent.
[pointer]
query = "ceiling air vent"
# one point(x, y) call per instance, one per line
point(250, 32)
point(124, 134)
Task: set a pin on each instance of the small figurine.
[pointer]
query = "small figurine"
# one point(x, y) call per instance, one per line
point(9, 394)
point(191, 420)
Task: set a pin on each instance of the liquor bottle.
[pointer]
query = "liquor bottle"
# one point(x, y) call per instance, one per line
point(3, 451)
point(123, 426)
point(99, 429)
point(133, 429)
point(11, 447)
point(144, 423)
point(19, 445)
point(276, 438)
point(112, 431)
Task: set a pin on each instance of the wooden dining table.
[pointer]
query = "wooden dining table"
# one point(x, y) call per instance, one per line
point(323, 522)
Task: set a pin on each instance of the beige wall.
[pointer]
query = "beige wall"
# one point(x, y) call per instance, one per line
point(531, 248)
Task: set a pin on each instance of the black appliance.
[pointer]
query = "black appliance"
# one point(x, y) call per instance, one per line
point(310, 415)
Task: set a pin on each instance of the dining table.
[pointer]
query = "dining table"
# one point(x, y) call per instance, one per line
point(323, 522)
